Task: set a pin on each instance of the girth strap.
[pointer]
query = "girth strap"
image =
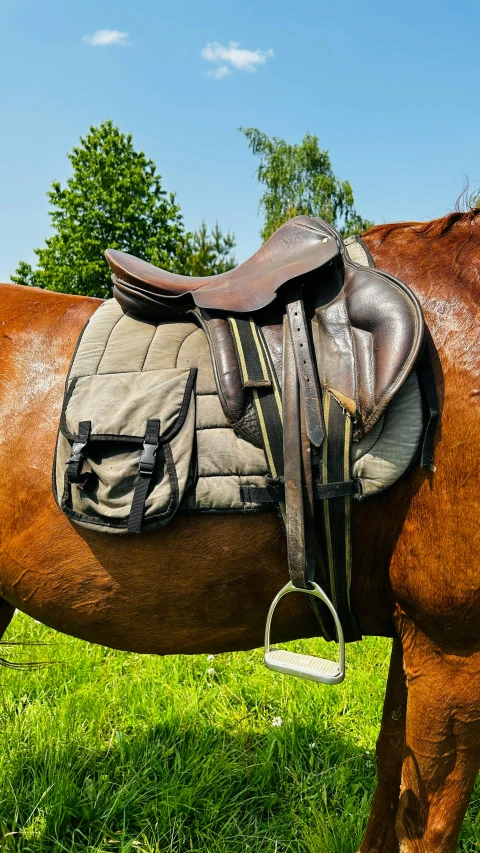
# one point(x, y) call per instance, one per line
point(337, 488)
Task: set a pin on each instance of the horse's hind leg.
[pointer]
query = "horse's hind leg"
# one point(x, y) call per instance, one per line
point(442, 744)
point(380, 834)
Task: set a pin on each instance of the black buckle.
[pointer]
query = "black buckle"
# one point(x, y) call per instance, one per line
point(150, 447)
point(147, 459)
point(75, 461)
point(76, 453)
point(275, 486)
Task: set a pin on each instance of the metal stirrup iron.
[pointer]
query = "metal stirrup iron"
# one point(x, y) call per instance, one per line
point(306, 666)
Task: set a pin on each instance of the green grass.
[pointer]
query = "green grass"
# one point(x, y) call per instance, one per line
point(108, 751)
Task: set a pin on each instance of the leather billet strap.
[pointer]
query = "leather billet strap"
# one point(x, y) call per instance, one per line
point(292, 452)
point(306, 369)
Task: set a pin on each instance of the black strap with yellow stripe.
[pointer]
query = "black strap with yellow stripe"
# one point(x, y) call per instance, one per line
point(334, 513)
point(259, 375)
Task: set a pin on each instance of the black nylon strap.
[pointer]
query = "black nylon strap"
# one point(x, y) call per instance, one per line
point(261, 495)
point(77, 458)
point(269, 412)
point(325, 491)
point(253, 365)
point(337, 511)
point(145, 472)
point(276, 492)
point(426, 378)
point(266, 397)
point(259, 374)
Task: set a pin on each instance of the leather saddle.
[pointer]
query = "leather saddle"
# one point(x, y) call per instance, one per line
point(298, 247)
point(367, 326)
point(308, 349)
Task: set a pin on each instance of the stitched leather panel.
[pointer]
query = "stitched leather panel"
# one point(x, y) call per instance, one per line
point(368, 340)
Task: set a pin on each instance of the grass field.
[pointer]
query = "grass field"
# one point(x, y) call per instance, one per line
point(107, 751)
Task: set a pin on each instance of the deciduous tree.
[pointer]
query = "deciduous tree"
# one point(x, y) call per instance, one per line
point(115, 199)
point(299, 179)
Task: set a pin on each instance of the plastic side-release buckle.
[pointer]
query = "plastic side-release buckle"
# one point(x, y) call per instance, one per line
point(150, 447)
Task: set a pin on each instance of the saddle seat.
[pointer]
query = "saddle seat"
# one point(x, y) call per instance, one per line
point(297, 247)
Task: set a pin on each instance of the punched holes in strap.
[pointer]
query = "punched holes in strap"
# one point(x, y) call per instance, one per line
point(77, 458)
point(145, 472)
point(306, 371)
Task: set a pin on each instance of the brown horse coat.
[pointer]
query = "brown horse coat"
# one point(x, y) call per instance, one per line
point(205, 584)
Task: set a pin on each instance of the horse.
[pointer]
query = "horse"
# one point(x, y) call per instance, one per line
point(204, 584)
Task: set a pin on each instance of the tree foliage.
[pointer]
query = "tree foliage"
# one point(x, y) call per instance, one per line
point(115, 199)
point(206, 254)
point(299, 179)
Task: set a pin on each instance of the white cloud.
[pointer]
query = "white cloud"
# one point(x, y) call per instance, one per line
point(104, 38)
point(219, 72)
point(234, 58)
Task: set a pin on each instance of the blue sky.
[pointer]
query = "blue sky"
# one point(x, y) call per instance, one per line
point(391, 90)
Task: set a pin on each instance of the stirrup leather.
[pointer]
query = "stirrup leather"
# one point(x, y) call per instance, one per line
point(306, 666)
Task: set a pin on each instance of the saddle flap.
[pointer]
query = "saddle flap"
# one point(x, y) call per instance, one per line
point(368, 340)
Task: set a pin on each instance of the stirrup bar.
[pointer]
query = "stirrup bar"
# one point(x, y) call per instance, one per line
point(305, 666)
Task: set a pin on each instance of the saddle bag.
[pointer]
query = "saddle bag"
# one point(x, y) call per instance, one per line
point(124, 448)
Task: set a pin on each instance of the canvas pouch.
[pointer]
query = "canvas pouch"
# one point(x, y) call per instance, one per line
point(124, 449)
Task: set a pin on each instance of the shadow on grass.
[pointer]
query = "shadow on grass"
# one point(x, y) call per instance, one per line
point(191, 788)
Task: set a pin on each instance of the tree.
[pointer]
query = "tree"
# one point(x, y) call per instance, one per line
point(207, 255)
point(299, 180)
point(114, 199)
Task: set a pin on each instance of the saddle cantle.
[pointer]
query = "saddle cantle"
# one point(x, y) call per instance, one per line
point(308, 349)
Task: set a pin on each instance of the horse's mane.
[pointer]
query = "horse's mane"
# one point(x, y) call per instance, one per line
point(432, 229)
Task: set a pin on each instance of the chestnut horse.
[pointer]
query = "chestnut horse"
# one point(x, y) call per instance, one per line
point(204, 584)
